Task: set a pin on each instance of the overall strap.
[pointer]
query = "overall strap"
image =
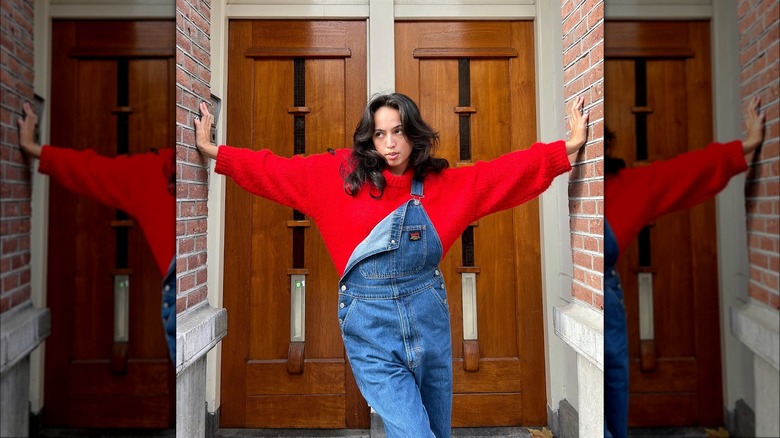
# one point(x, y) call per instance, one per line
point(417, 188)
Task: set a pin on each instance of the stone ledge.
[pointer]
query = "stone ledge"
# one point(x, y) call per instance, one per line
point(758, 328)
point(197, 331)
point(582, 328)
point(22, 329)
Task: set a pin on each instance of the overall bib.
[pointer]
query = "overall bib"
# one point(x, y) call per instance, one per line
point(396, 325)
point(615, 344)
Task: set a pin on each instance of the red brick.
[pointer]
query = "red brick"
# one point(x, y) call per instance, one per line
point(598, 301)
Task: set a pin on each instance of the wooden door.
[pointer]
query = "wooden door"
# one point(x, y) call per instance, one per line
point(658, 103)
point(475, 85)
point(112, 87)
point(293, 87)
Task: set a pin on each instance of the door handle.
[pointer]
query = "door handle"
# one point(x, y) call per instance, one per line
point(646, 329)
point(298, 308)
point(121, 307)
point(468, 287)
point(295, 353)
point(119, 349)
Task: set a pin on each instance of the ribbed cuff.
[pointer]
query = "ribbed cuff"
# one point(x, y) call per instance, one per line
point(556, 153)
point(227, 156)
point(732, 155)
point(47, 162)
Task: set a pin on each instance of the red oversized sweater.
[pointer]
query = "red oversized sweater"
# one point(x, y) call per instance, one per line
point(637, 196)
point(135, 184)
point(453, 198)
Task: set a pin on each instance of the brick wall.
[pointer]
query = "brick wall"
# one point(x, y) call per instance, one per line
point(759, 51)
point(16, 72)
point(193, 75)
point(583, 60)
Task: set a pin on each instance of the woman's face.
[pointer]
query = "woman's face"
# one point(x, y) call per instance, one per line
point(390, 141)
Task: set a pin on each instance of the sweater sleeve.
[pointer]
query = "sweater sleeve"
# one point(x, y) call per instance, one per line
point(511, 179)
point(120, 182)
point(690, 178)
point(294, 182)
point(636, 196)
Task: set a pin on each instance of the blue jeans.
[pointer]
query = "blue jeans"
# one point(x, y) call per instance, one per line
point(169, 308)
point(615, 345)
point(395, 324)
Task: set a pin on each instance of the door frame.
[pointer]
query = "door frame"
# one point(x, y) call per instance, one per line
point(730, 215)
point(553, 207)
point(45, 13)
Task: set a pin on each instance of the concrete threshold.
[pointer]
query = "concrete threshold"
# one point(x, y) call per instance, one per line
point(518, 432)
point(112, 433)
point(686, 432)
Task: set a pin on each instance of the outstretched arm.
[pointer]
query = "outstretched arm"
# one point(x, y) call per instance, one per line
point(27, 132)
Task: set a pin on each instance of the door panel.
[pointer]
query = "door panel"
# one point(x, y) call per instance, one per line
point(260, 391)
point(266, 381)
point(508, 387)
point(683, 387)
point(81, 388)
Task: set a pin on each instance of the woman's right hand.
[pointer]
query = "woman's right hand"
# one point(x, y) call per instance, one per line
point(755, 126)
point(27, 132)
point(203, 132)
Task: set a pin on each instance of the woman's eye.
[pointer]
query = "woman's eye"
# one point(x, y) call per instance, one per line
point(399, 131)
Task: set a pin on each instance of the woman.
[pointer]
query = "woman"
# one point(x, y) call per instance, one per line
point(142, 185)
point(637, 196)
point(388, 211)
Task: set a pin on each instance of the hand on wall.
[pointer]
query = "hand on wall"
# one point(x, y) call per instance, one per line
point(27, 132)
point(578, 124)
point(203, 132)
point(755, 126)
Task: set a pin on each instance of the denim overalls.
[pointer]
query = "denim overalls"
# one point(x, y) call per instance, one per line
point(169, 308)
point(615, 344)
point(396, 324)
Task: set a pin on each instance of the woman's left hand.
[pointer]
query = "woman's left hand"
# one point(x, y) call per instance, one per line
point(578, 124)
point(755, 126)
point(27, 132)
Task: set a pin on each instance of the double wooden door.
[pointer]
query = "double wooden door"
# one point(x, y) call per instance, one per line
point(112, 92)
point(658, 103)
point(300, 87)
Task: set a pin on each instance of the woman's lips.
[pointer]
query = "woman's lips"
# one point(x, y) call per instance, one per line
point(392, 155)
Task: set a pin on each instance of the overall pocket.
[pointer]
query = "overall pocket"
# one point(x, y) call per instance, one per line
point(441, 297)
point(346, 304)
point(408, 259)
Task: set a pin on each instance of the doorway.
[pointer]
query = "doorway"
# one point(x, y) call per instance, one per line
point(309, 76)
point(659, 105)
point(112, 84)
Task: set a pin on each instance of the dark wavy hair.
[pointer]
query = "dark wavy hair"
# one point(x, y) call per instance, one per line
point(612, 165)
point(366, 164)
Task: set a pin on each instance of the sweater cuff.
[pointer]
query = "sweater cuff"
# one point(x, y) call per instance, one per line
point(556, 153)
point(227, 156)
point(732, 155)
point(47, 162)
